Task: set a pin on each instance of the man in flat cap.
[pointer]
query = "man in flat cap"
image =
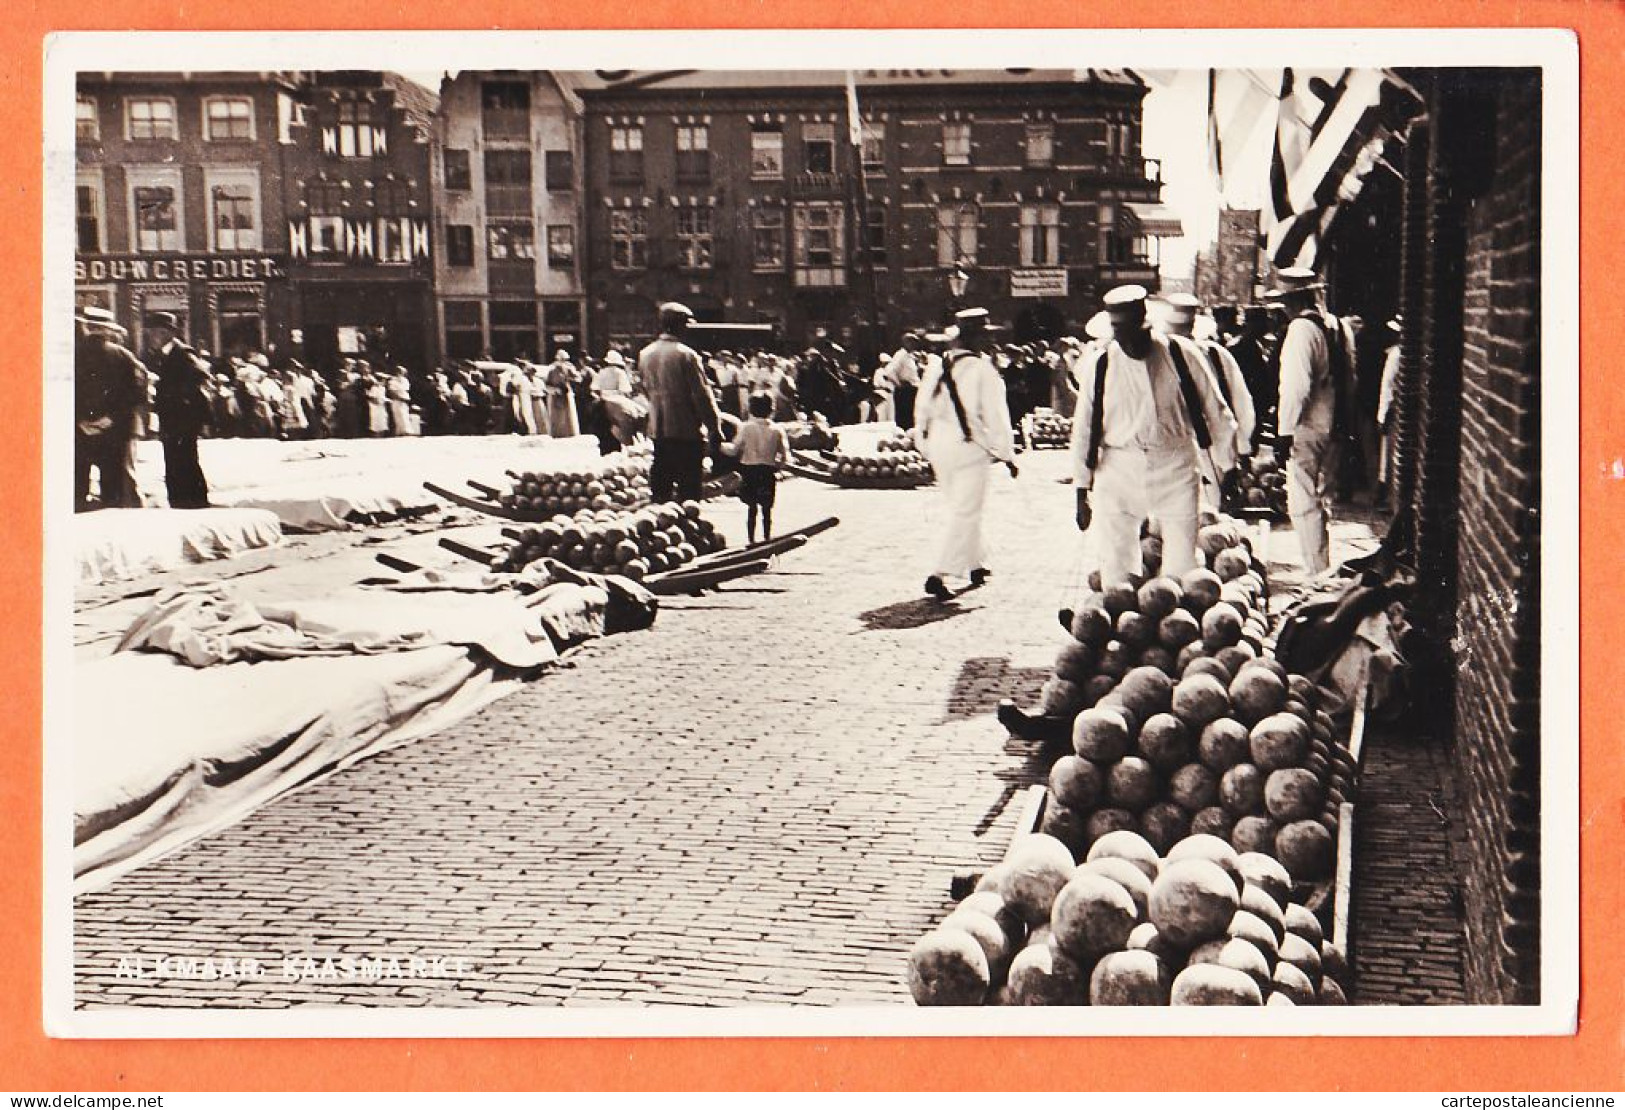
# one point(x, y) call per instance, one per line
point(181, 401)
point(682, 410)
point(1145, 417)
point(962, 423)
point(110, 396)
point(1313, 373)
point(1180, 322)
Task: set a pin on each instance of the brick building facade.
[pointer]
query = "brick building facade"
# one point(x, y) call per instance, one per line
point(179, 196)
point(741, 194)
point(358, 226)
point(1227, 273)
point(506, 182)
point(1468, 486)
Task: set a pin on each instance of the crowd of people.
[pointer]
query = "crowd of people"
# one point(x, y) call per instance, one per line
point(1164, 407)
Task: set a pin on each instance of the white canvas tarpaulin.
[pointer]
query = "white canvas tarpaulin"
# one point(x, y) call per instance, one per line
point(215, 705)
point(113, 545)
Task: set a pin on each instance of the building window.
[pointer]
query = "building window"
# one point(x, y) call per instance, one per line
point(507, 181)
point(227, 118)
point(1040, 234)
point(233, 220)
point(956, 144)
point(510, 240)
point(454, 163)
point(505, 109)
point(820, 243)
point(327, 235)
point(767, 152)
point(513, 330)
point(1113, 244)
point(88, 212)
point(561, 246)
point(239, 323)
point(693, 151)
point(1040, 144)
point(393, 239)
point(626, 152)
point(1119, 138)
point(560, 170)
point(392, 197)
point(767, 239)
point(149, 118)
point(87, 127)
point(874, 239)
point(357, 136)
point(694, 237)
point(874, 144)
point(459, 245)
point(629, 239)
point(956, 234)
point(465, 331)
point(818, 147)
point(157, 218)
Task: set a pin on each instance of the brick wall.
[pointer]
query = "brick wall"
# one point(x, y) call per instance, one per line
point(1497, 743)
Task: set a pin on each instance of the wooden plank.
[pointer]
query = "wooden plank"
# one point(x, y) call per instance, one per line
point(1342, 905)
point(490, 508)
point(395, 563)
point(1032, 815)
point(474, 554)
point(683, 582)
point(1362, 702)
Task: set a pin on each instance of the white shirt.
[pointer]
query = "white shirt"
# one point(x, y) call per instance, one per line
point(981, 390)
point(612, 379)
point(1145, 407)
point(1235, 386)
point(1307, 398)
point(903, 368)
point(1385, 391)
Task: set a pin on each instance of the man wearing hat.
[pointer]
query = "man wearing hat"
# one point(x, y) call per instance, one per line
point(110, 392)
point(1180, 321)
point(1306, 431)
point(962, 422)
point(682, 411)
point(1144, 419)
point(182, 405)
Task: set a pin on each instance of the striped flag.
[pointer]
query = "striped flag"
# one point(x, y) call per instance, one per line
point(854, 122)
point(1239, 101)
point(1329, 134)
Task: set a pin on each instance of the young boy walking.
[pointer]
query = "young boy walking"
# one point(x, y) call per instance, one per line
point(761, 447)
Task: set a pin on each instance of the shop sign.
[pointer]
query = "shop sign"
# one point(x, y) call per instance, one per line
point(177, 267)
point(1038, 283)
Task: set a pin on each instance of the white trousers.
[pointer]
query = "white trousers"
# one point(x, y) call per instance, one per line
point(962, 471)
point(1133, 484)
point(1309, 496)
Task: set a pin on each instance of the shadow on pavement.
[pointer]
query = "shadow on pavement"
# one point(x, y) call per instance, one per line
point(918, 613)
point(983, 682)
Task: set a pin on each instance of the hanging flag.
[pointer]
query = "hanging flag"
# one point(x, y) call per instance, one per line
point(1329, 135)
point(1239, 101)
point(854, 121)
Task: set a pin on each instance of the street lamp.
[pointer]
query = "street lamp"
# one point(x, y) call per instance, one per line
point(958, 282)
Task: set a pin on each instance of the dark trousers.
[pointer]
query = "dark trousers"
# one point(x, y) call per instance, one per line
point(183, 474)
point(676, 469)
point(113, 456)
point(903, 404)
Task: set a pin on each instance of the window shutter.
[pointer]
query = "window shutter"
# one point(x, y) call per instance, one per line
point(330, 140)
point(420, 238)
point(298, 244)
point(363, 240)
point(380, 141)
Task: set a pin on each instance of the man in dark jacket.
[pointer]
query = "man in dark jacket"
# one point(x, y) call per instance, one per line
point(110, 395)
point(182, 405)
point(682, 410)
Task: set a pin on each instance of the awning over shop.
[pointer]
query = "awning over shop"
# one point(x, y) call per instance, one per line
point(1158, 220)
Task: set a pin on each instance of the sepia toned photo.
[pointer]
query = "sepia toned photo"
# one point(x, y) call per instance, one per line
point(1043, 540)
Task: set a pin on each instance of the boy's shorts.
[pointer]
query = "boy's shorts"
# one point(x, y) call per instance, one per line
point(758, 485)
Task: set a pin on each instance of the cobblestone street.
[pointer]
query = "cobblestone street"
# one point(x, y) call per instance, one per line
point(763, 799)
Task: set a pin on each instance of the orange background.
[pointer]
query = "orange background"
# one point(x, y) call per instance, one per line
point(1594, 1059)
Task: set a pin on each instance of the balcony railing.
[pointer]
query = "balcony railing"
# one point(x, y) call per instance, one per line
point(816, 184)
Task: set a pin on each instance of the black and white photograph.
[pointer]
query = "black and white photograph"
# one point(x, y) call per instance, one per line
point(867, 534)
